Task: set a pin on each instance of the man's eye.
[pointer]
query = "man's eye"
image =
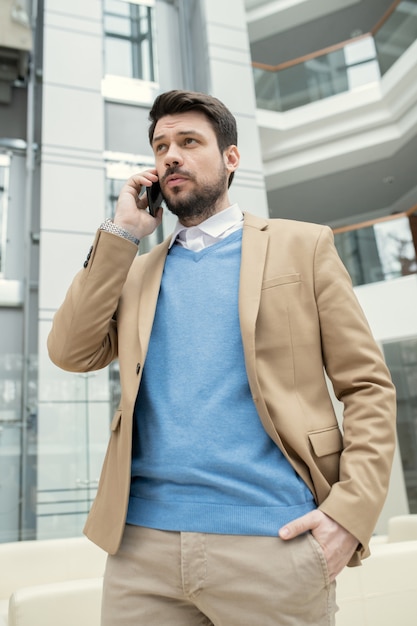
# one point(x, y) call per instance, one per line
point(190, 140)
point(160, 147)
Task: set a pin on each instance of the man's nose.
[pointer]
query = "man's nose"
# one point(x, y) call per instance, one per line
point(173, 156)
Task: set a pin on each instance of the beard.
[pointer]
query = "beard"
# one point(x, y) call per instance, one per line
point(202, 202)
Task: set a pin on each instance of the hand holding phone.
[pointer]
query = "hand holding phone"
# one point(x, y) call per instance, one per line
point(155, 197)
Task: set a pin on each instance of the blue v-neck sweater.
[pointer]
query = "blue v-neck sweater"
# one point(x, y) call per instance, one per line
point(201, 459)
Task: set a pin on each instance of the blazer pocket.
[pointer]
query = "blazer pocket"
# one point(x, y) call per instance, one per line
point(327, 446)
point(327, 441)
point(281, 280)
point(115, 423)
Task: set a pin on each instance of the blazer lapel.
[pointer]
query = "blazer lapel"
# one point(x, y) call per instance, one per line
point(151, 283)
point(254, 246)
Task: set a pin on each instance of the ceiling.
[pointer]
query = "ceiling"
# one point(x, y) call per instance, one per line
point(379, 187)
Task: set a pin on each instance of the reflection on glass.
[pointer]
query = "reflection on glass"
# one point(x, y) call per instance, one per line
point(396, 34)
point(382, 251)
point(118, 57)
point(117, 25)
point(401, 358)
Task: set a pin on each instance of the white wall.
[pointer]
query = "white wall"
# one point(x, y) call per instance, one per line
point(391, 307)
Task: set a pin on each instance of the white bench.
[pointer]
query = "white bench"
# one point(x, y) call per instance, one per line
point(67, 603)
point(383, 590)
point(35, 563)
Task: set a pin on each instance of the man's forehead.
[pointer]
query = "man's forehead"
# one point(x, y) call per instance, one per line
point(189, 120)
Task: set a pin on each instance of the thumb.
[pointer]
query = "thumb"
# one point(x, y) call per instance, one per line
point(298, 526)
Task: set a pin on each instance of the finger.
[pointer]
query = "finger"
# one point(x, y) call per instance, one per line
point(298, 526)
point(133, 186)
point(142, 179)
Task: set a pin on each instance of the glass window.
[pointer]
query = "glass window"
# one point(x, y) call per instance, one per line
point(129, 40)
point(118, 169)
point(383, 251)
point(4, 193)
point(401, 358)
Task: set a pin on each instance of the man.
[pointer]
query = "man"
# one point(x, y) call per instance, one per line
point(229, 496)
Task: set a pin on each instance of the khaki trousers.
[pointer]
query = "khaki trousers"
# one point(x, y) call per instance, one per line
point(160, 578)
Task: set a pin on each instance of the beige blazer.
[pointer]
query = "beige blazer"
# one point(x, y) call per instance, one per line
point(299, 317)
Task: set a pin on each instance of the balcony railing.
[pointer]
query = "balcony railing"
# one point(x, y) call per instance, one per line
point(338, 68)
point(380, 249)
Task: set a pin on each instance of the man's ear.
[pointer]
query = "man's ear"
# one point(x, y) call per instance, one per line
point(231, 158)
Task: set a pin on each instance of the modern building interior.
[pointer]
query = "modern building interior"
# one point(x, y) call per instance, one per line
point(325, 95)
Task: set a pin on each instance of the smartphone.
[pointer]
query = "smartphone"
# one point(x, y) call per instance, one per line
point(155, 197)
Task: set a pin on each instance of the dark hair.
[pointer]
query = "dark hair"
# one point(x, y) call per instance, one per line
point(219, 116)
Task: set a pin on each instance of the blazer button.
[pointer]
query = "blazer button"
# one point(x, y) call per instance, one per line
point(137, 368)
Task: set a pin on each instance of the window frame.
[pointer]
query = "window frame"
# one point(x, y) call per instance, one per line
point(136, 39)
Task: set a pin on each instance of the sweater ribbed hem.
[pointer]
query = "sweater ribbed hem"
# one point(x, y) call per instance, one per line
point(213, 518)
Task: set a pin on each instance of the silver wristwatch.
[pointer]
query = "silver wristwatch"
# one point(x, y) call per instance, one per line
point(110, 227)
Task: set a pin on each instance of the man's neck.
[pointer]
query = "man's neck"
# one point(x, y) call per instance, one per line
point(195, 220)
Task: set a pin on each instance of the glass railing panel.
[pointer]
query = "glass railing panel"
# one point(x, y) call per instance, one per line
point(51, 454)
point(73, 428)
point(378, 252)
point(340, 69)
point(12, 477)
point(396, 34)
point(318, 78)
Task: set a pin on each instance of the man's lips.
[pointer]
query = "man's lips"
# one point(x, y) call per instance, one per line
point(174, 180)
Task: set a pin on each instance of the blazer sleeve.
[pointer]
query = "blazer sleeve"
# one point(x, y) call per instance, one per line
point(361, 381)
point(84, 330)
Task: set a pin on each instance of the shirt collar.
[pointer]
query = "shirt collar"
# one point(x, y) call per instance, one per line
point(215, 225)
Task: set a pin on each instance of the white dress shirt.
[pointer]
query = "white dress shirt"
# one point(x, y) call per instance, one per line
point(210, 231)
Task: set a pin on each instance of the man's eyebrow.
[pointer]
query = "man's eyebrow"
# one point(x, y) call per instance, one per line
point(180, 133)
